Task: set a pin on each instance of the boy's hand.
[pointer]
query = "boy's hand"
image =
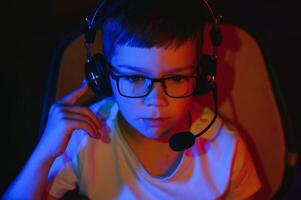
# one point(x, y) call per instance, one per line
point(64, 117)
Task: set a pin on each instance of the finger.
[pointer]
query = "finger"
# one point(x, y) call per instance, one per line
point(75, 124)
point(100, 132)
point(74, 95)
point(104, 133)
point(79, 121)
point(87, 112)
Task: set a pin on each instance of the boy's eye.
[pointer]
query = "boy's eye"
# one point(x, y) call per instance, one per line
point(177, 78)
point(134, 79)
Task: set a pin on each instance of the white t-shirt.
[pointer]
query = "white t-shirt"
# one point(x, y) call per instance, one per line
point(217, 166)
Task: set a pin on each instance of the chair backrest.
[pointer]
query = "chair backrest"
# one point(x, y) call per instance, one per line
point(247, 99)
point(246, 96)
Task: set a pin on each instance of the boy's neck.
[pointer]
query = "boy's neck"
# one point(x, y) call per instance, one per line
point(155, 155)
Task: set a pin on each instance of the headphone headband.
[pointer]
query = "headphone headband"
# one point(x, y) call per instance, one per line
point(215, 33)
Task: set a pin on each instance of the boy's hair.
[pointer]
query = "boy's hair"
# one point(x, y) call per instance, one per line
point(152, 23)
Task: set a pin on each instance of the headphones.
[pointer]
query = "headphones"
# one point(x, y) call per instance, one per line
point(97, 74)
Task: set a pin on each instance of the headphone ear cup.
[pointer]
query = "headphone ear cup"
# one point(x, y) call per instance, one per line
point(98, 77)
point(206, 80)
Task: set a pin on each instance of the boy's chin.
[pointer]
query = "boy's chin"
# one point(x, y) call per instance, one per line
point(154, 133)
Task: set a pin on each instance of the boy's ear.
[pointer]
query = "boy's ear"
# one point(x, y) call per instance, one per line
point(97, 75)
point(206, 79)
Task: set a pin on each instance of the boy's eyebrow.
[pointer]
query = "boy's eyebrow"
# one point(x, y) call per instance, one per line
point(138, 69)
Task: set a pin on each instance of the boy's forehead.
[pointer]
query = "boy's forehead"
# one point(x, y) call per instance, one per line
point(183, 56)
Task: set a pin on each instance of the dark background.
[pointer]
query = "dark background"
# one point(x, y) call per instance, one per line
point(31, 30)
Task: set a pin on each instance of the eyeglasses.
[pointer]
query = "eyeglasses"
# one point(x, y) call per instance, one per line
point(136, 86)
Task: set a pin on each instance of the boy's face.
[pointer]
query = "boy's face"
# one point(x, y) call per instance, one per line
point(156, 114)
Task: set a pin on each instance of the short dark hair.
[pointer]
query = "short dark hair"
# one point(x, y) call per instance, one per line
point(152, 23)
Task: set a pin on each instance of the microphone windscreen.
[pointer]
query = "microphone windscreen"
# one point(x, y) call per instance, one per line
point(181, 141)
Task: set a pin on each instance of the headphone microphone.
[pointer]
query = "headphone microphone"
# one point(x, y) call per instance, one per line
point(184, 140)
point(97, 75)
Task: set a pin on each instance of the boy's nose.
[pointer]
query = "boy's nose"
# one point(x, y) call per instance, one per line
point(156, 97)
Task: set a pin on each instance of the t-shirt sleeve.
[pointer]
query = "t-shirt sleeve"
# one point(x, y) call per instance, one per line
point(63, 174)
point(244, 181)
point(61, 178)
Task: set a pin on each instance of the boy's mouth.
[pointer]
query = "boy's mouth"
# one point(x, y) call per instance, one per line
point(154, 122)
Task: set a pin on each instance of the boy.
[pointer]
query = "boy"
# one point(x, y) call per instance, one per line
point(118, 148)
